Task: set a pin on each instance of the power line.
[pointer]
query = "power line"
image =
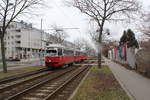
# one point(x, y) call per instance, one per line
point(62, 11)
point(61, 29)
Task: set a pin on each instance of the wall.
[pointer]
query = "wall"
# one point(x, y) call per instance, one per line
point(123, 54)
point(131, 57)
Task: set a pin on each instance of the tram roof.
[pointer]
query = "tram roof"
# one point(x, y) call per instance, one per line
point(62, 46)
point(55, 46)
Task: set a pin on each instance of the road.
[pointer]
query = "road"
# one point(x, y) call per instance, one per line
point(34, 63)
point(137, 86)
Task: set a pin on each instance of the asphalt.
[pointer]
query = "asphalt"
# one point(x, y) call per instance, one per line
point(136, 85)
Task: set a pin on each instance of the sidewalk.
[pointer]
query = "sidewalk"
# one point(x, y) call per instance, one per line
point(136, 85)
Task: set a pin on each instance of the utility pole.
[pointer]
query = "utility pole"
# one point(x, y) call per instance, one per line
point(41, 42)
point(29, 52)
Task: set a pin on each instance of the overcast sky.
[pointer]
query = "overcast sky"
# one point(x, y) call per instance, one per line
point(69, 17)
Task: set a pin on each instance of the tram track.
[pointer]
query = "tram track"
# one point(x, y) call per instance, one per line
point(89, 61)
point(23, 80)
point(66, 89)
point(19, 76)
point(50, 88)
point(13, 89)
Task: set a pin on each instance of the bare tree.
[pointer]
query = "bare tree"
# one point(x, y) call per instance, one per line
point(84, 45)
point(78, 43)
point(95, 33)
point(106, 38)
point(88, 48)
point(9, 11)
point(106, 10)
point(145, 25)
point(59, 34)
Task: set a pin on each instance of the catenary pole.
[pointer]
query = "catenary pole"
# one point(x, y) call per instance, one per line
point(41, 42)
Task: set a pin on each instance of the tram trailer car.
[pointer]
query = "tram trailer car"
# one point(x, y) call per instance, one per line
point(58, 56)
point(79, 56)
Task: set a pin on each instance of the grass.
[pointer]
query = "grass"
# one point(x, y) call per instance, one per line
point(1, 66)
point(19, 71)
point(100, 85)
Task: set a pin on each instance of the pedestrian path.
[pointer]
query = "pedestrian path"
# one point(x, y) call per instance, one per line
point(137, 86)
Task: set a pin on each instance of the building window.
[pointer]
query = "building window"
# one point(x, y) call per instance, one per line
point(18, 41)
point(18, 36)
point(18, 30)
point(12, 26)
point(8, 26)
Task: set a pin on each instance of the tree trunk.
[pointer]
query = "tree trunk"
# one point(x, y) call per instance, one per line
point(99, 60)
point(100, 55)
point(100, 48)
point(3, 56)
point(101, 25)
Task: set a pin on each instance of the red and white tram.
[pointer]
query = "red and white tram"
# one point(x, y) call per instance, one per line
point(58, 55)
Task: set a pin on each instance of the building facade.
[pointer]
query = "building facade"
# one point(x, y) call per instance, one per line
point(22, 41)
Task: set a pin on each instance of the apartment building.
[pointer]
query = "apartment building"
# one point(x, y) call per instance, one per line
point(22, 41)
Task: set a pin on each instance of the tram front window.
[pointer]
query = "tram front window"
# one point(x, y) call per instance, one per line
point(51, 53)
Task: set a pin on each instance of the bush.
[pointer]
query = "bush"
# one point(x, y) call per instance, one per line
point(143, 61)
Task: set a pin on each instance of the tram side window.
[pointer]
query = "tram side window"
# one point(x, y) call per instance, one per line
point(65, 53)
point(59, 52)
point(77, 53)
point(68, 53)
point(71, 53)
point(84, 54)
